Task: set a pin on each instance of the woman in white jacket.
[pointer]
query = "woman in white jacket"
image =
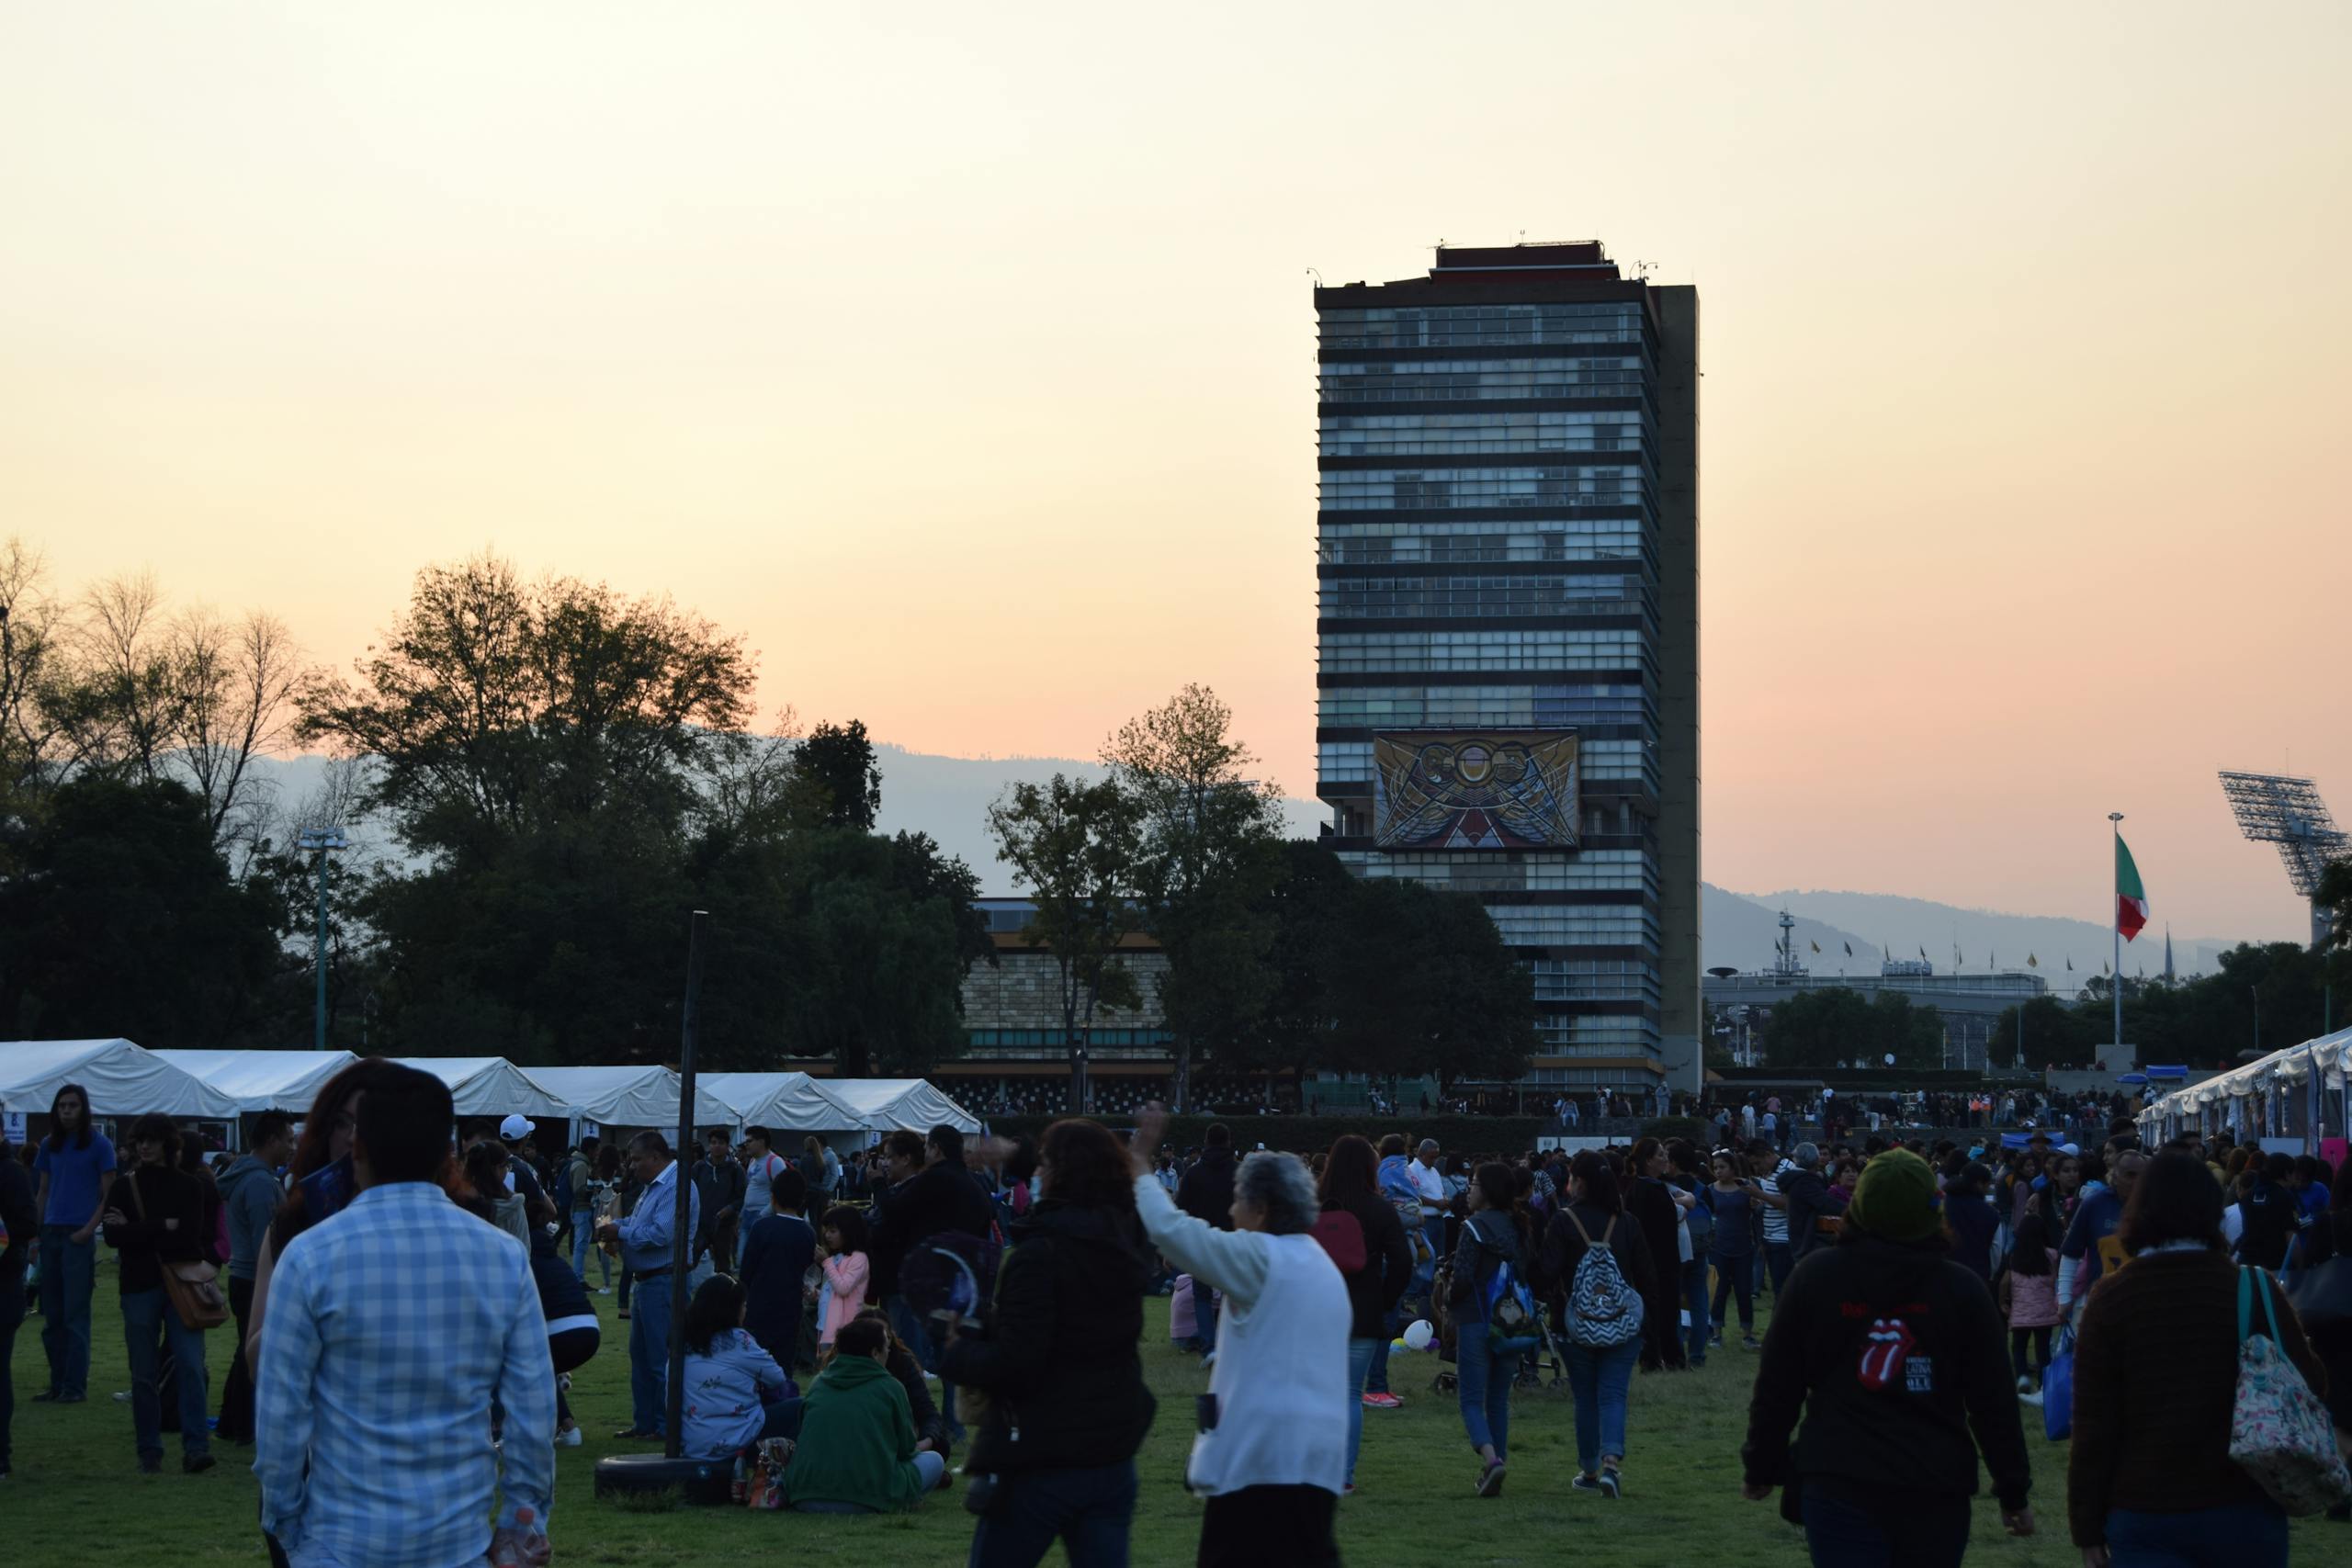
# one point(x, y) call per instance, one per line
point(1272, 1455)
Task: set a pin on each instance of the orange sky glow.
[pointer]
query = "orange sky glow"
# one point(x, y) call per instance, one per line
point(962, 358)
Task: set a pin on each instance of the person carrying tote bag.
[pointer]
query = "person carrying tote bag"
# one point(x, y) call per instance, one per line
point(2279, 1431)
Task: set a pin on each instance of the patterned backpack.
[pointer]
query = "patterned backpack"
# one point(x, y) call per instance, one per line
point(1603, 1309)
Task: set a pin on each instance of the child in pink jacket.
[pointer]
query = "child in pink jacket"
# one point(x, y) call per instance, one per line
point(846, 1267)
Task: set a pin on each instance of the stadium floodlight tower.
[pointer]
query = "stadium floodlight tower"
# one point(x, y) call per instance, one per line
point(2274, 809)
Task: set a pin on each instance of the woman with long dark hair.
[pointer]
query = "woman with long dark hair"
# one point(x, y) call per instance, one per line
point(73, 1175)
point(1350, 1185)
point(1059, 1366)
point(1492, 1306)
point(1600, 1362)
point(320, 1177)
point(1649, 1203)
point(736, 1394)
point(157, 1218)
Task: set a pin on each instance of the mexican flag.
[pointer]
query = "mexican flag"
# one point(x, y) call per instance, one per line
point(2130, 899)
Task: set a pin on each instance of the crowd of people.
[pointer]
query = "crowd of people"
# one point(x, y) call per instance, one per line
point(875, 1317)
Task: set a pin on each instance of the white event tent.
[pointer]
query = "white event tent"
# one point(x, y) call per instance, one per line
point(122, 1081)
point(2294, 1096)
point(490, 1085)
point(630, 1097)
point(782, 1102)
point(886, 1105)
point(264, 1080)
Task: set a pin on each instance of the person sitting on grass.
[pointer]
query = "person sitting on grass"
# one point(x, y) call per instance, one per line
point(736, 1394)
point(857, 1448)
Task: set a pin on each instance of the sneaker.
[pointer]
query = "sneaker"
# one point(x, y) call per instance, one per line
point(630, 1434)
point(1347, 1490)
point(1490, 1480)
point(121, 1398)
point(1715, 1338)
point(1613, 1485)
point(2025, 1384)
point(607, 1291)
point(1383, 1402)
point(2034, 1399)
point(196, 1464)
point(50, 1397)
point(1208, 1362)
point(1585, 1484)
point(569, 1438)
point(151, 1464)
point(1750, 1342)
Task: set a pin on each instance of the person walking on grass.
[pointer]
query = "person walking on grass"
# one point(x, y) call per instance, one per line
point(250, 1191)
point(156, 1217)
point(1892, 1354)
point(1270, 1456)
point(1350, 1185)
point(2149, 1478)
point(1493, 1312)
point(1601, 1272)
point(74, 1175)
point(1732, 1250)
point(392, 1327)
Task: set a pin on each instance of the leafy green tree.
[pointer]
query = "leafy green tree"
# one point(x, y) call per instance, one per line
point(1074, 845)
point(1208, 856)
point(123, 919)
point(1309, 904)
point(840, 759)
point(491, 706)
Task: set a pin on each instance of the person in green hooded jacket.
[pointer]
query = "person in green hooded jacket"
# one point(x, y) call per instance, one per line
point(857, 1435)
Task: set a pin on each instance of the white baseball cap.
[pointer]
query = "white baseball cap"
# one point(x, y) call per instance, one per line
point(515, 1127)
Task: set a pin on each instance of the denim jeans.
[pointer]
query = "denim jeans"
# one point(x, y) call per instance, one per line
point(583, 1230)
point(1375, 1378)
point(66, 1266)
point(1694, 1297)
point(1600, 1379)
point(1734, 1279)
point(1485, 1365)
point(1088, 1510)
point(1360, 1354)
point(2245, 1535)
point(148, 1317)
point(12, 1315)
point(649, 1355)
point(1897, 1529)
point(1778, 1261)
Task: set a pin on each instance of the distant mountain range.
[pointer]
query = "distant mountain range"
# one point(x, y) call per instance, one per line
point(948, 799)
point(1740, 930)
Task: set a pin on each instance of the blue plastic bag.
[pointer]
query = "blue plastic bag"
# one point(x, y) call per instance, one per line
point(2058, 1389)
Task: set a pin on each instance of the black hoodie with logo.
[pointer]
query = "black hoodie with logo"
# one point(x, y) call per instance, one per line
point(1895, 1355)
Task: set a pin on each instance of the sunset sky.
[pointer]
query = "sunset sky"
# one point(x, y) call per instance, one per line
point(962, 358)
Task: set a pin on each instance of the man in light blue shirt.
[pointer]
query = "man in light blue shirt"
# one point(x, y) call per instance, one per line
point(645, 1242)
point(392, 1325)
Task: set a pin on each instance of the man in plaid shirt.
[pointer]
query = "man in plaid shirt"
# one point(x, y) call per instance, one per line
point(391, 1328)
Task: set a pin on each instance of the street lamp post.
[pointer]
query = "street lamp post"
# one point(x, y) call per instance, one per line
point(321, 841)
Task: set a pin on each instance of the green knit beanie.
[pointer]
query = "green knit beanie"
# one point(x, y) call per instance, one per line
point(1895, 1198)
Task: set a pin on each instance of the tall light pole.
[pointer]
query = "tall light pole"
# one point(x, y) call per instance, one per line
point(321, 841)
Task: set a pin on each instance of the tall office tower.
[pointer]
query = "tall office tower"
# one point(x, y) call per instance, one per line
point(1508, 626)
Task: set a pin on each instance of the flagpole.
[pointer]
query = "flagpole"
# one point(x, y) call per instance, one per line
point(2115, 916)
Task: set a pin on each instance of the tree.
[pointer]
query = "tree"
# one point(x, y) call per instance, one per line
point(126, 921)
point(1074, 845)
point(492, 705)
point(1837, 1025)
point(1309, 904)
point(1208, 857)
point(2055, 1036)
point(838, 759)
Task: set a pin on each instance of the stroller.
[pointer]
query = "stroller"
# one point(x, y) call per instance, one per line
point(1542, 1368)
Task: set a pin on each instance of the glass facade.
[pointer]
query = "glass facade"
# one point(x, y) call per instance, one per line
point(1550, 498)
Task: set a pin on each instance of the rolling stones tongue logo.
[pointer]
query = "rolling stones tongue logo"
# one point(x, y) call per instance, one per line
point(1885, 1350)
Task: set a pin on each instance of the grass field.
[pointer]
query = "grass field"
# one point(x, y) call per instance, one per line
point(76, 1495)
